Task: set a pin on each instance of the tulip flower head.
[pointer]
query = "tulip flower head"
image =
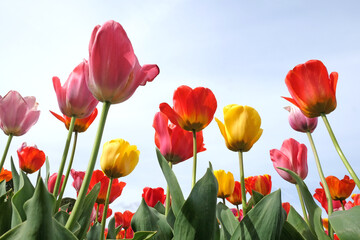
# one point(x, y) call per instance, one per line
point(52, 180)
point(175, 144)
point(293, 156)
point(17, 114)
point(235, 197)
point(286, 206)
point(78, 177)
point(101, 212)
point(115, 72)
point(356, 198)
point(193, 109)
point(81, 124)
point(116, 187)
point(241, 127)
point(74, 97)
point(31, 158)
point(321, 197)
point(261, 184)
point(153, 195)
point(123, 219)
point(236, 213)
point(5, 175)
point(226, 183)
point(312, 89)
point(340, 189)
point(299, 122)
point(119, 158)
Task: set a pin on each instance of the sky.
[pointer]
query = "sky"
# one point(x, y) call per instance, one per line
point(241, 50)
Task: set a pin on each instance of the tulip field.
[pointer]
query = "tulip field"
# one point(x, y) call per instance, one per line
point(218, 207)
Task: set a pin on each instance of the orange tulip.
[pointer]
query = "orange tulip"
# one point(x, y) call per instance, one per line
point(260, 184)
point(31, 158)
point(5, 175)
point(235, 197)
point(193, 109)
point(311, 88)
point(340, 189)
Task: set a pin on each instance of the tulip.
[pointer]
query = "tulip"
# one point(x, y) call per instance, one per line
point(31, 159)
point(101, 212)
point(175, 144)
point(119, 158)
point(116, 187)
point(340, 189)
point(260, 184)
point(52, 180)
point(311, 88)
point(293, 156)
point(123, 219)
point(74, 98)
point(17, 114)
point(5, 175)
point(286, 206)
point(299, 122)
point(356, 198)
point(115, 72)
point(226, 183)
point(153, 195)
point(235, 197)
point(193, 109)
point(321, 197)
point(78, 177)
point(241, 128)
point(237, 213)
point(81, 124)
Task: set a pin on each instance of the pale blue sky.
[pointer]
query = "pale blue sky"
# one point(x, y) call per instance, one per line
point(242, 50)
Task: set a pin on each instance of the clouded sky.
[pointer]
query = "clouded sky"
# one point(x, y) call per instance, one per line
point(241, 50)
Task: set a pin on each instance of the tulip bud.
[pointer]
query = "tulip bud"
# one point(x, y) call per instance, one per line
point(31, 158)
point(299, 122)
point(226, 183)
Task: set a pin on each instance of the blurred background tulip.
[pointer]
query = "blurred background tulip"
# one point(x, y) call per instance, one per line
point(74, 97)
point(115, 72)
point(153, 195)
point(31, 158)
point(261, 184)
point(5, 175)
point(299, 122)
point(52, 180)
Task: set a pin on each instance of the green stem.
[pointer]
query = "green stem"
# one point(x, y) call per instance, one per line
point(5, 151)
point(322, 179)
point(238, 211)
point(338, 149)
point(97, 213)
point(302, 204)
point(168, 197)
point(342, 205)
point(103, 220)
point(242, 183)
point(224, 201)
point(67, 171)
point(63, 160)
point(194, 160)
point(85, 184)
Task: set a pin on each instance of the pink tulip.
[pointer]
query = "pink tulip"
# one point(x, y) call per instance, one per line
point(74, 98)
point(299, 122)
point(115, 72)
point(17, 114)
point(78, 177)
point(292, 156)
point(52, 180)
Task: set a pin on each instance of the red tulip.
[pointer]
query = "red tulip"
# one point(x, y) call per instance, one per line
point(321, 197)
point(235, 197)
point(260, 184)
point(74, 98)
point(293, 156)
point(31, 159)
point(115, 72)
point(78, 177)
point(175, 144)
point(356, 198)
point(311, 88)
point(17, 114)
point(81, 124)
point(51, 182)
point(116, 188)
point(299, 122)
point(5, 175)
point(101, 212)
point(340, 189)
point(286, 207)
point(123, 219)
point(153, 195)
point(193, 109)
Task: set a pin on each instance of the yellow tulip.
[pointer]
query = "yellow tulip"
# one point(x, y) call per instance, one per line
point(242, 127)
point(118, 158)
point(226, 183)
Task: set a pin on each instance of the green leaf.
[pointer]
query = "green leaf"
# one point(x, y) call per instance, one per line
point(176, 194)
point(312, 208)
point(67, 204)
point(62, 217)
point(264, 221)
point(39, 224)
point(346, 223)
point(85, 213)
point(289, 232)
point(148, 219)
point(94, 232)
point(15, 176)
point(227, 220)
point(143, 235)
point(170, 218)
point(112, 231)
point(5, 209)
point(2, 188)
point(160, 207)
point(300, 225)
point(197, 218)
point(47, 164)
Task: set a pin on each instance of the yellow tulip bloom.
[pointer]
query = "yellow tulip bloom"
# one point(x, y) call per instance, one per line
point(226, 183)
point(118, 158)
point(241, 128)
